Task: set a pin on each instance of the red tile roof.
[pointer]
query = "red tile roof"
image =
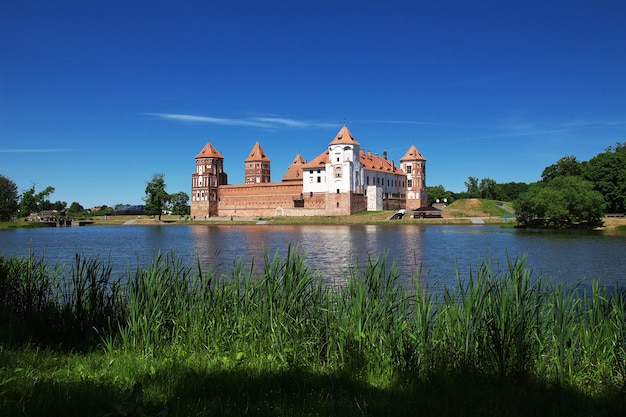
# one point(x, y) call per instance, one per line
point(294, 172)
point(412, 154)
point(320, 161)
point(344, 137)
point(209, 152)
point(257, 154)
point(376, 163)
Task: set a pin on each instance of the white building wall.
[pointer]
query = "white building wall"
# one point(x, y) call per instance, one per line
point(374, 198)
point(345, 172)
point(310, 182)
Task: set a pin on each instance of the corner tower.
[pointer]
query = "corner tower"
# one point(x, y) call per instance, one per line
point(257, 166)
point(414, 166)
point(205, 182)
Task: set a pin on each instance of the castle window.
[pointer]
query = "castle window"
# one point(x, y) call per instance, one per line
point(337, 193)
point(319, 179)
point(337, 201)
point(409, 169)
point(409, 183)
point(338, 172)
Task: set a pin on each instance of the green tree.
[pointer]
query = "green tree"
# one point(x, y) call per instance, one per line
point(75, 207)
point(180, 203)
point(607, 172)
point(566, 166)
point(562, 202)
point(509, 191)
point(8, 198)
point(156, 198)
point(487, 188)
point(473, 190)
point(31, 202)
point(438, 192)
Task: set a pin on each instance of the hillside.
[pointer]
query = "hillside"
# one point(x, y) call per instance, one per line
point(476, 207)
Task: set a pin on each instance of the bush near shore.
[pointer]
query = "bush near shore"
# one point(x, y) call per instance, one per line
point(276, 339)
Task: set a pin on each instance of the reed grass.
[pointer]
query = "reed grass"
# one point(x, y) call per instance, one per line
point(504, 326)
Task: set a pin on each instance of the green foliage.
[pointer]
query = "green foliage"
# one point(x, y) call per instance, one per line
point(33, 203)
point(509, 191)
point(473, 190)
point(41, 305)
point(567, 166)
point(438, 192)
point(565, 201)
point(607, 172)
point(76, 208)
point(156, 197)
point(8, 199)
point(279, 339)
point(180, 204)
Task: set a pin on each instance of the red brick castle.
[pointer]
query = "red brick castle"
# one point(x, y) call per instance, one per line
point(342, 180)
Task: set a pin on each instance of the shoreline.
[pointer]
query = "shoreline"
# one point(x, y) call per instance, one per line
point(372, 219)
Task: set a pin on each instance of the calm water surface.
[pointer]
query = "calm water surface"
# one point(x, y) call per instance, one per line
point(436, 251)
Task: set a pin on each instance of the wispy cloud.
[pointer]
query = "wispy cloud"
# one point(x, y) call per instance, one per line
point(35, 150)
point(210, 120)
point(268, 122)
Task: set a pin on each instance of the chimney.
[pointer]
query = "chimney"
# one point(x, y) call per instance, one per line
point(385, 154)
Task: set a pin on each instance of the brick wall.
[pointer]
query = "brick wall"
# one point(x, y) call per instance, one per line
point(258, 200)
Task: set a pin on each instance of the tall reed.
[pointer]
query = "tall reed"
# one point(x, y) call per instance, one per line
point(501, 324)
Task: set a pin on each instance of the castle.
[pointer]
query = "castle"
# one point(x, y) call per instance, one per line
point(342, 180)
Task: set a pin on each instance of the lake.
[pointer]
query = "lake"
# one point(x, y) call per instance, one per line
point(437, 251)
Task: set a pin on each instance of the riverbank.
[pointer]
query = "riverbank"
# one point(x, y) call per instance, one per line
point(470, 211)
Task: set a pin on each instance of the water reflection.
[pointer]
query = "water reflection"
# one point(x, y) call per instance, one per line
point(435, 253)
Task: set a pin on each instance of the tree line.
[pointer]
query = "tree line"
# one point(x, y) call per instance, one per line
point(570, 192)
point(13, 204)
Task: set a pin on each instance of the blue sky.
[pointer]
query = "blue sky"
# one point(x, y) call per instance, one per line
point(96, 97)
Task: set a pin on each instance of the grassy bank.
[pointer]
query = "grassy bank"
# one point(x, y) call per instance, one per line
point(175, 340)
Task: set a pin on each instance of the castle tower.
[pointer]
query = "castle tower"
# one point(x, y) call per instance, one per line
point(294, 171)
point(205, 182)
point(344, 172)
point(344, 175)
point(257, 166)
point(414, 166)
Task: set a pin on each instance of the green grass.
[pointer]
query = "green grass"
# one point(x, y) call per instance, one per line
point(472, 206)
point(276, 339)
point(21, 225)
